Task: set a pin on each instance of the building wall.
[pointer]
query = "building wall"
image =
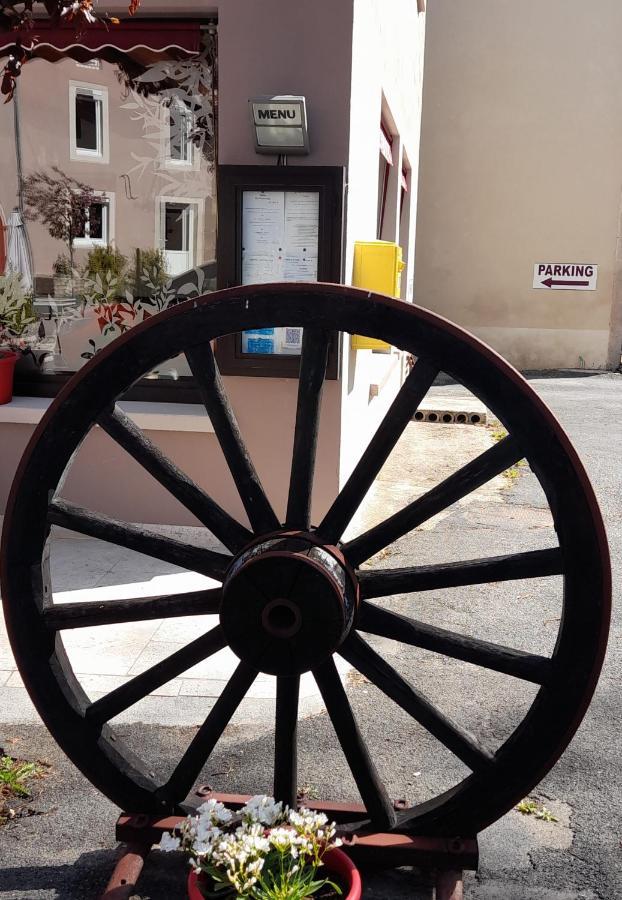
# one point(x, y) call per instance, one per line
point(387, 73)
point(521, 162)
point(353, 61)
point(104, 478)
point(288, 48)
point(278, 47)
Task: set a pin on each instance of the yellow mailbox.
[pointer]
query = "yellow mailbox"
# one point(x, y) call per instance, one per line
point(378, 267)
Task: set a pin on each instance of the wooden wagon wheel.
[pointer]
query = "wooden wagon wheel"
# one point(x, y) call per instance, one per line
point(293, 582)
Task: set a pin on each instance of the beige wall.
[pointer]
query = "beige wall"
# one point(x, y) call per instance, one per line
point(521, 162)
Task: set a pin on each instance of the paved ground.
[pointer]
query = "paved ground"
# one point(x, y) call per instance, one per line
point(64, 850)
point(104, 658)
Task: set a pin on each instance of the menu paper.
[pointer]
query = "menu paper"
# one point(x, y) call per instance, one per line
point(280, 237)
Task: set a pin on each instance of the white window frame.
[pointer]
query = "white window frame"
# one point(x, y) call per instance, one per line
point(108, 200)
point(102, 153)
point(90, 64)
point(192, 162)
point(160, 219)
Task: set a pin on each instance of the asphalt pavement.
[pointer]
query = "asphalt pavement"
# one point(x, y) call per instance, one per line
point(61, 846)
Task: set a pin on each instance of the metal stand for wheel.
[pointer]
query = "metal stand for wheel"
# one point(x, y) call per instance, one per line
point(446, 858)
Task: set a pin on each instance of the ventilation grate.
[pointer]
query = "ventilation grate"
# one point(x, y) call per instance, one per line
point(450, 416)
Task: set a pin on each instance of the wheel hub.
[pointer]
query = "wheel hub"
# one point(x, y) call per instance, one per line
point(288, 603)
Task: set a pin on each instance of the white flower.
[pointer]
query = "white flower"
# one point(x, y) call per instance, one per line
point(216, 811)
point(263, 809)
point(238, 852)
point(169, 842)
point(281, 838)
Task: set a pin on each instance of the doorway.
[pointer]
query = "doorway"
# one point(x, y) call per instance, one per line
point(178, 235)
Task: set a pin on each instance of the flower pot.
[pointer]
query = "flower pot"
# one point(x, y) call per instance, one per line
point(340, 863)
point(66, 286)
point(7, 366)
point(62, 285)
point(336, 861)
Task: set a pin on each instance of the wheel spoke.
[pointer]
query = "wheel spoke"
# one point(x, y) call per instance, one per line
point(312, 370)
point(285, 740)
point(187, 771)
point(476, 473)
point(527, 666)
point(384, 440)
point(533, 564)
point(223, 526)
point(360, 655)
point(135, 537)
point(131, 692)
point(62, 616)
point(203, 365)
point(371, 788)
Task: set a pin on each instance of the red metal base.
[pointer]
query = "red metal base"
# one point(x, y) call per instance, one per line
point(447, 857)
point(127, 871)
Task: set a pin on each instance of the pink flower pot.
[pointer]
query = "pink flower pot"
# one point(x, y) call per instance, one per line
point(7, 367)
point(336, 861)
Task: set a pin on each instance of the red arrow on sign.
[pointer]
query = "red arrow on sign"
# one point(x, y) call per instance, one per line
point(549, 282)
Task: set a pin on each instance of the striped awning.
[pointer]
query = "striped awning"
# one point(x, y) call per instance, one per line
point(143, 41)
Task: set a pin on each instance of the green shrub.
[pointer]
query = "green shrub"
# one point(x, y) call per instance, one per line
point(107, 262)
point(148, 274)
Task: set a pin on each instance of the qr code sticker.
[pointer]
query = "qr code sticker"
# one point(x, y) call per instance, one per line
point(292, 336)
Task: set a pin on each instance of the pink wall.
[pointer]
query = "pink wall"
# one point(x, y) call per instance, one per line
point(104, 478)
point(277, 47)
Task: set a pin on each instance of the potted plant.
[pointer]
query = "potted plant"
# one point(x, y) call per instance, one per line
point(61, 270)
point(148, 276)
point(15, 317)
point(263, 852)
point(104, 266)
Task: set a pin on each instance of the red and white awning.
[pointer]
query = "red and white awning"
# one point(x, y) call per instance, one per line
point(142, 41)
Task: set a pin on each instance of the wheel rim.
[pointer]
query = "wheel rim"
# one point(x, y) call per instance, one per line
point(566, 681)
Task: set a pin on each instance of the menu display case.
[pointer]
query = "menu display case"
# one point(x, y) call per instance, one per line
point(277, 224)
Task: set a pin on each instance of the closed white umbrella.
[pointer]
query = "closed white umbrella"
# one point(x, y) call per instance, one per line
point(18, 250)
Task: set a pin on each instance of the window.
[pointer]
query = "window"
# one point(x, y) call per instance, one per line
point(404, 176)
point(91, 115)
point(180, 147)
point(90, 64)
point(179, 224)
point(88, 122)
point(97, 228)
point(385, 162)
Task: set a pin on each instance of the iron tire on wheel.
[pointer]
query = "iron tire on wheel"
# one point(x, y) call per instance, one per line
point(566, 681)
